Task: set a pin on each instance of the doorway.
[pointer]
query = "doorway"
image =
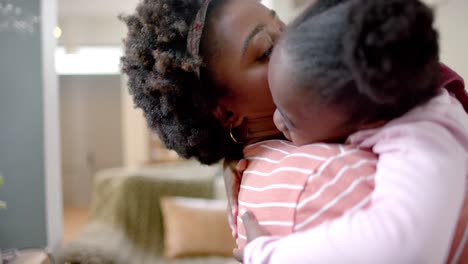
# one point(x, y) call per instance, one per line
point(91, 139)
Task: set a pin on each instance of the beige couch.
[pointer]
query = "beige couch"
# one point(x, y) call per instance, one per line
point(126, 221)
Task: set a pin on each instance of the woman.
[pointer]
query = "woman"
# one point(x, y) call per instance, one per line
point(194, 115)
point(201, 77)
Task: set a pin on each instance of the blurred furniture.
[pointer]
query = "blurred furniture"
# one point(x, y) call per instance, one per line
point(26, 256)
point(126, 224)
point(158, 152)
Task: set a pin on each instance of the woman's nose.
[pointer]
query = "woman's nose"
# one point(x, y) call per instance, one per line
point(277, 30)
point(282, 26)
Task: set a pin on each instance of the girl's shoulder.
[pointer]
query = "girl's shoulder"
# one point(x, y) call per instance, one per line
point(275, 154)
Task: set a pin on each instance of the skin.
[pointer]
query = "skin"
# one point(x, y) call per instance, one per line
point(242, 71)
point(253, 230)
point(301, 118)
point(300, 115)
point(247, 32)
point(297, 116)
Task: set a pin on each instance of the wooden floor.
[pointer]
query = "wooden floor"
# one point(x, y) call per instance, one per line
point(73, 221)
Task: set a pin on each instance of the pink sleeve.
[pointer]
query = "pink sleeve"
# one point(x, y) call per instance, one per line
point(454, 83)
point(420, 185)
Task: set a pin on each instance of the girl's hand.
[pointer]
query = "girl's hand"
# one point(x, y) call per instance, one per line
point(232, 180)
point(253, 230)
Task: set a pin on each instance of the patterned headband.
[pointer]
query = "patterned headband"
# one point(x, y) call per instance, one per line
point(196, 31)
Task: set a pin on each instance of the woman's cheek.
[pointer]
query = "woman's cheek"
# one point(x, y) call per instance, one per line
point(257, 91)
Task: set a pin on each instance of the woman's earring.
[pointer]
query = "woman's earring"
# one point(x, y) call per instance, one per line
point(233, 137)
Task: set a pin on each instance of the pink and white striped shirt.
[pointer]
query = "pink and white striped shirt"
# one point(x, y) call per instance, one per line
point(291, 189)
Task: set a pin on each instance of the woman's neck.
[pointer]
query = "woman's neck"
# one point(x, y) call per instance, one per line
point(259, 127)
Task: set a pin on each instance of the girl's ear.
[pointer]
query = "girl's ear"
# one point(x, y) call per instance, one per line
point(228, 118)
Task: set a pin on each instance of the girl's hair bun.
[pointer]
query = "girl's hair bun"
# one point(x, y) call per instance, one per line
point(391, 49)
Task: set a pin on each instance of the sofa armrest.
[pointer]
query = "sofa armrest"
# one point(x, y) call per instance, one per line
point(129, 199)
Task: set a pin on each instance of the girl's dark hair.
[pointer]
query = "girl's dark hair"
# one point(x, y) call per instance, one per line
point(373, 59)
point(163, 83)
point(314, 9)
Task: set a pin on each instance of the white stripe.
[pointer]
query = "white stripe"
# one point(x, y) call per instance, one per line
point(270, 223)
point(301, 155)
point(263, 142)
point(289, 169)
point(335, 180)
point(305, 155)
point(460, 248)
point(267, 205)
point(288, 144)
point(241, 236)
point(273, 187)
point(326, 146)
point(341, 148)
point(274, 149)
point(326, 163)
point(265, 159)
point(323, 145)
point(276, 223)
point(331, 203)
point(359, 206)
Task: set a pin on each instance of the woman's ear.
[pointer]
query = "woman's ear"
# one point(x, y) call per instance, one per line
point(228, 118)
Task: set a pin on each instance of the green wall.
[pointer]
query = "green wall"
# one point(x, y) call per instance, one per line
point(23, 224)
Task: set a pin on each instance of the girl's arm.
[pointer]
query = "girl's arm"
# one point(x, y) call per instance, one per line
point(420, 187)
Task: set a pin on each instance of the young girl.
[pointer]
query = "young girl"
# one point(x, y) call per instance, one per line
point(368, 72)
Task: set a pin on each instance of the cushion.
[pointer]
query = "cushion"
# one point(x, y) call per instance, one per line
point(195, 227)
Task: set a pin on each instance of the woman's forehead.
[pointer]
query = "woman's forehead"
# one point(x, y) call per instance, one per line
point(238, 19)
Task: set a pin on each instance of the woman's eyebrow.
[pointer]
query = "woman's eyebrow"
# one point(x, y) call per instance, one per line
point(273, 13)
point(251, 35)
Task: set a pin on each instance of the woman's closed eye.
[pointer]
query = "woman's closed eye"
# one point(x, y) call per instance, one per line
point(265, 56)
